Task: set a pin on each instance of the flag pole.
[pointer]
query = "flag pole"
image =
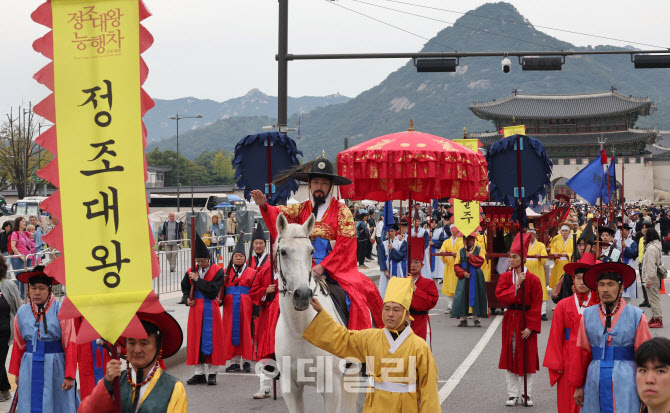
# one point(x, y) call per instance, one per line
point(520, 217)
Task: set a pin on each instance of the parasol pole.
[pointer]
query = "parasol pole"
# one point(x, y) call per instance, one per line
point(623, 205)
point(409, 236)
point(520, 216)
point(269, 191)
point(191, 294)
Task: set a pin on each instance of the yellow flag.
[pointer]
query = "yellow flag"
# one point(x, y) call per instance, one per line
point(514, 130)
point(466, 214)
point(100, 159)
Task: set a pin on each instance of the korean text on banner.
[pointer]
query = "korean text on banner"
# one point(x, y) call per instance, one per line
point(100, 157)
point(466, 214)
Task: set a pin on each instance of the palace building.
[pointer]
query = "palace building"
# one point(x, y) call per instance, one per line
point(572, 127)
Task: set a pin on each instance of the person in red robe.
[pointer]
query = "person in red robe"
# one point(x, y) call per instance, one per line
point(333, 238)
point(91, 361)
point(425, 292)
point(238, 345)
point(144, 385)
point(562, 347)
point(262, 294)
point(205, 334)
point(521, 292)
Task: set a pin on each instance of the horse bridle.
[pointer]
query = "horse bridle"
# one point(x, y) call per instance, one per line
point(311, 275)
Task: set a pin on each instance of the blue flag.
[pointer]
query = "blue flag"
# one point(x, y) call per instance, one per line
point(611, 171)
point(388, 215)
point(436, 205)
point(588, 182)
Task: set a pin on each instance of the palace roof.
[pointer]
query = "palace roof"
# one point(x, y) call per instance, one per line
point(576, 139)
point(563, 106)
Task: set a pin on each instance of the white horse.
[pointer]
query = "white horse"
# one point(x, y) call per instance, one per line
point(300, 363)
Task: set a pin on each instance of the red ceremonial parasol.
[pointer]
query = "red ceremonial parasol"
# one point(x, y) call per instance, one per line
point(412, 165)
point(415, 165)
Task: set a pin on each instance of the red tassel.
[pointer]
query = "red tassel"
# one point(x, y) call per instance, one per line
point(98, 357)
point(603, 157)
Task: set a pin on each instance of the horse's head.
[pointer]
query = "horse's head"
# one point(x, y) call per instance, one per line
point(294, 258)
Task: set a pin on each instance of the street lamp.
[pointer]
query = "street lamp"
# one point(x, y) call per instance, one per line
point(177, 117)
point(39, 152)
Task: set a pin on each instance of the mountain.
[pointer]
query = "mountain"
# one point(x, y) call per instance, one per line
point(254, 103)
point(438, 102)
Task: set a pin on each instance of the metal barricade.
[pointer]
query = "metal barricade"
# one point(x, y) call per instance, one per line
point(174, 263)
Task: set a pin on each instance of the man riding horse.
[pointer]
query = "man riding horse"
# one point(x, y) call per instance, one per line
point(333, 238)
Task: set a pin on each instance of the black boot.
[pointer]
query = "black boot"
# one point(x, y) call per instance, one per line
point(247, 367)
point(211, 379)
point(197, 379)
point(233, 368)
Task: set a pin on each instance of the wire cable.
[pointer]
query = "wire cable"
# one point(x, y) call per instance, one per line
point(526, 24)
point(391, 25)
point(458, 24)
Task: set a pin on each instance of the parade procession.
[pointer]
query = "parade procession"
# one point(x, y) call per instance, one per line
point(378, 257)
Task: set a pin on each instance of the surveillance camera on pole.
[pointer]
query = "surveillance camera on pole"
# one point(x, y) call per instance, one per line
point(506, 65)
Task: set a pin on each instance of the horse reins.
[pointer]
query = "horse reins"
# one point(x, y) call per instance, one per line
point(285, 291)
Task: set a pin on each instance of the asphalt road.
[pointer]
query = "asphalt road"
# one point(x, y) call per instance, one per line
point(469, 379)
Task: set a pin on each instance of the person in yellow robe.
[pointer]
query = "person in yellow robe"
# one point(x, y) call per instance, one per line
point(453, 244)
point(145, 387)
point(403, 373)
point(486, 267)
point(536, 265)
point(560, 246)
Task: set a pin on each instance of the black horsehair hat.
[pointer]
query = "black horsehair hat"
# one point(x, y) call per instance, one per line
point(239, 247)
point(201, 250)
point(320, 167)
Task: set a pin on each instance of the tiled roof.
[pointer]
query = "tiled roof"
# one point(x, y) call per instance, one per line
point(577, 139)
point(562, 106)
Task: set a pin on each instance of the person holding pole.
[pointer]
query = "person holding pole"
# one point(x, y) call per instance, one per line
point(521, 292)
point(144, 386)
point(205, 333)
point(471, 286)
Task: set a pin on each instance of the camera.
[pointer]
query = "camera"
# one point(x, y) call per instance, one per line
point(506, 65)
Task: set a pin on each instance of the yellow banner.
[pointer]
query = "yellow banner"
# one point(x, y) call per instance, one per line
point(100, 160)
point(466, 214)
point(514, 130)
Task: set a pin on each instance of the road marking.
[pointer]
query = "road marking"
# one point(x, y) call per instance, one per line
point(456, 377)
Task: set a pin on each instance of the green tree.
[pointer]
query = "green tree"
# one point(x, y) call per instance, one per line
point(222, 165)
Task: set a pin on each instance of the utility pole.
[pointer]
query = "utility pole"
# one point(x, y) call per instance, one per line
point(282, 68)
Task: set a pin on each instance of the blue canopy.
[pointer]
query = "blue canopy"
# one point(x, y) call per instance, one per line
point(251, 169)
point(224, 205)
point(234, 198)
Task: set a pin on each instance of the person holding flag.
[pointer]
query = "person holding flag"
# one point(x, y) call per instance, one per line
point(145, 386)
point(44, 354)
point(437, 237)
point(471, 286)
point(205, 335)
point(521, 291)
point(562, 347)
point(425, 292)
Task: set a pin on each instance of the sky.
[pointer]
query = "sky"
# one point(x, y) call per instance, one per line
point(219, 50)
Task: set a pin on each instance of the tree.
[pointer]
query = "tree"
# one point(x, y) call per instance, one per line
point(222, 165)
point(20, 156)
